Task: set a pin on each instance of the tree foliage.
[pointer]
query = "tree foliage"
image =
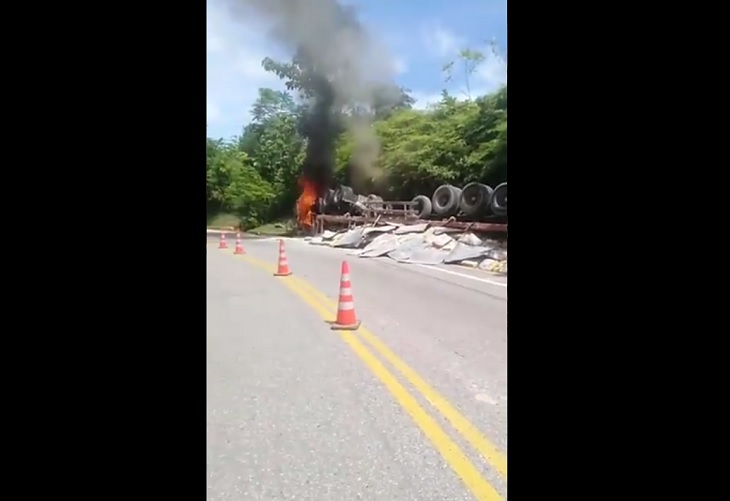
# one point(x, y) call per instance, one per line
point(455, 141)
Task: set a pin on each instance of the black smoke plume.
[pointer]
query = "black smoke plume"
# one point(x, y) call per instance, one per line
point(340, 66)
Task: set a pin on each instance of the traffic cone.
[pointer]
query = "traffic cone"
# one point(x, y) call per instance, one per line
point(239, 245)
point(283, 269)
point(223, 244)
point(346, 318)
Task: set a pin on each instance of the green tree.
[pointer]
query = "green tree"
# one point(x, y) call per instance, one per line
point(272, 103)
point(467, 62)
point(234, 185)
point(275, 147)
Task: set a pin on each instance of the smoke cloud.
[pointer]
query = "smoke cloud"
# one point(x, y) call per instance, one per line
point(345, 65)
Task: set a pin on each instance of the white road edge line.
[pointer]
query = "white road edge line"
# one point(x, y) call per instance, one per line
point(483, 280)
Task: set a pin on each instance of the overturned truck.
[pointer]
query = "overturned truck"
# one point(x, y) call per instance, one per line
point(476, 205)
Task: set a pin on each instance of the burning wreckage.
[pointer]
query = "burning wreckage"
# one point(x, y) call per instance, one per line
point(435, 230)
point(411, 232)
point(476, 207)
point(332, 77)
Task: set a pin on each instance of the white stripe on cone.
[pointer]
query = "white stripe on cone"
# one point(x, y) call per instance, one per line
point(346, 306)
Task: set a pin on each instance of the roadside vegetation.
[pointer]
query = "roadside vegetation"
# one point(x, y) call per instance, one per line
point(252, 180)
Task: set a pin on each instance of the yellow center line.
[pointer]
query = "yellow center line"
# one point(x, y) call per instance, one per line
point(449, 450)
point(461, 424)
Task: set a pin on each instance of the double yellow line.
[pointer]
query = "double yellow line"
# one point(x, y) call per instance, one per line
point(450, 450)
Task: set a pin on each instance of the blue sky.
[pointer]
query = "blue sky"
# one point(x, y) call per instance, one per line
point(421, 37)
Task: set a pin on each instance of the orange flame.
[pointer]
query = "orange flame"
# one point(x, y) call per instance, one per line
point(305, 203)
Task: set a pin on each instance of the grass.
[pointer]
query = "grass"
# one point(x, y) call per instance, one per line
point(283, 228)
point(223, 220)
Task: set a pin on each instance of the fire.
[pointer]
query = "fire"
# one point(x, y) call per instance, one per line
point(305, 202)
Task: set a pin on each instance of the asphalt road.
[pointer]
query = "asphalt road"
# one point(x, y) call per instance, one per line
point(413, 406)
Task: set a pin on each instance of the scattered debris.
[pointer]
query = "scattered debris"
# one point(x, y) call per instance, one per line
point(463, 252)
point(411, 228)
point(350, 239)
point(419, 244)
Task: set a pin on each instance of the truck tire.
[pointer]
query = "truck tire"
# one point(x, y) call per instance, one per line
point(423, 206)
point(476, 199)
point(445, 200)
point(457, 196)
point(499, 200)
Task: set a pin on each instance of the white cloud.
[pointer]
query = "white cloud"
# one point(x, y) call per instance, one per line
point(234, 72)
point(444, 45)
point(492, 73)
point(441, 42)
point(425, 99)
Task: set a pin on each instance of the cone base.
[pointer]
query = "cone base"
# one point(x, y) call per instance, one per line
point(277, 274)
point(222, 246)
point(339, 327)
point(239, 252)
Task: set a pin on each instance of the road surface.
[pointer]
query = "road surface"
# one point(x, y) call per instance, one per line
point(412, 406)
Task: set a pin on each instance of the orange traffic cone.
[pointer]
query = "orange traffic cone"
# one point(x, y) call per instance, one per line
point(223, 244)
point(239, 245)
point(346, 318)
point(283, 270)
